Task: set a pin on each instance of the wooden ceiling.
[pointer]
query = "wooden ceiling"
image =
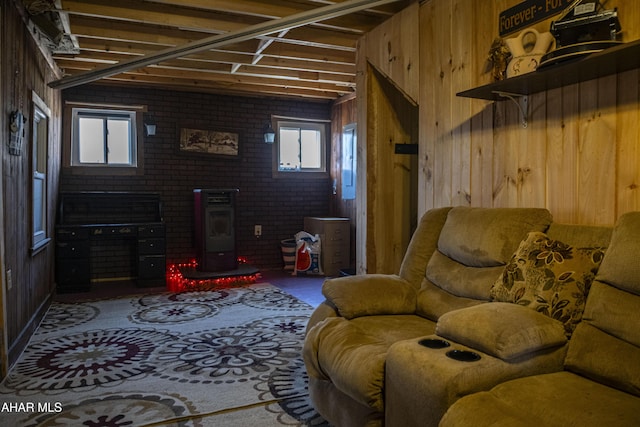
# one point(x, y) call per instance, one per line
point(314, 61)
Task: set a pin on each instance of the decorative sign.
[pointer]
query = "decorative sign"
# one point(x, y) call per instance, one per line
point(529, 12)
point(206, 141)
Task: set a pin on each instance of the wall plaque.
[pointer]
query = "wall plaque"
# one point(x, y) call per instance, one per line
point(528, 13)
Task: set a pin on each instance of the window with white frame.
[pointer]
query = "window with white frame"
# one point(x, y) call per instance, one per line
point(103, 139)
point(40, 148)
point(301, 146)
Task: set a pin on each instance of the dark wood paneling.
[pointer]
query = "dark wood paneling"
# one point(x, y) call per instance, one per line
point(25, 71)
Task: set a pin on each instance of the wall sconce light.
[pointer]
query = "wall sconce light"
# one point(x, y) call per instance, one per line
point(151, 129)
point(150, 126)
point(269, 133)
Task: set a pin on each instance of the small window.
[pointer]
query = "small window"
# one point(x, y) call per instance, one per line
point(301, 147)
point(103, 139)
point(349, 161)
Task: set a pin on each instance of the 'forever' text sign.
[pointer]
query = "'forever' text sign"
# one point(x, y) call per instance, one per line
point(529, 12)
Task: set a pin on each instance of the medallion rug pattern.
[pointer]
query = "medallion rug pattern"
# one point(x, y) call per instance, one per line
point(224, 357)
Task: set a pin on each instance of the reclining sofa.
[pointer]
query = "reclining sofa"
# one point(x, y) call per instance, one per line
point(484, 296)
point(600, 382)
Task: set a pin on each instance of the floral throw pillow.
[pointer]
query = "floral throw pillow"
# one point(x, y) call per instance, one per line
point(550, 277)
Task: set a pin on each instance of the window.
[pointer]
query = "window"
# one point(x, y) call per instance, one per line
point(101, 139)
point(301, 147)
point(40, 148)
point(349, 161)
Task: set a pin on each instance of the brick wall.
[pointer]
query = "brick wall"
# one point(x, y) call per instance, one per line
point(113, 259)
point(279, 205)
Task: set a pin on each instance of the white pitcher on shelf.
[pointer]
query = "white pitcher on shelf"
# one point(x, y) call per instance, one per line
point(526, 54)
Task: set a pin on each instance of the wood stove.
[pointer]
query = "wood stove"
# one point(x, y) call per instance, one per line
point(215, 234)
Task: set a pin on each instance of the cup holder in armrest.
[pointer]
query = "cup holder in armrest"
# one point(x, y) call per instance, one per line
point(433, 343)
point(463, 355)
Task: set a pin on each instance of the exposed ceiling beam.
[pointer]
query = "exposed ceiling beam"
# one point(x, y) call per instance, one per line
point(66, 26)
point(262, 46)
point(113, 52)
point(261, 29)
point(205, 71)
point(209, 14)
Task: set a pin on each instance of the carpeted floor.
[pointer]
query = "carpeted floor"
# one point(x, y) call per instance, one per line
point(227, 357)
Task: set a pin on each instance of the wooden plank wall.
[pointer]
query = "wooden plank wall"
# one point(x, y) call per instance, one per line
point(24, 71)
point(392, 120)
point(579, 155)
point(388, 68)
point(343, 112)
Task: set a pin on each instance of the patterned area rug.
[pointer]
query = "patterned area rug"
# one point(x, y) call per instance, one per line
point(227, 357)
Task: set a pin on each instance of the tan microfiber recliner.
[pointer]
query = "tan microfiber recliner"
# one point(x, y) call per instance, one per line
point(509, 340)
point(453, 259)
point(600, 383)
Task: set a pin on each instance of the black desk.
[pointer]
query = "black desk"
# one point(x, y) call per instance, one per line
point(92, 218)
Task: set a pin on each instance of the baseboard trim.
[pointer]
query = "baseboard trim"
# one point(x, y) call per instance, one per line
point(17, 347)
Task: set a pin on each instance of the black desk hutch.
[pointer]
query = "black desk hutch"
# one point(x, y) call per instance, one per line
point(88, 219)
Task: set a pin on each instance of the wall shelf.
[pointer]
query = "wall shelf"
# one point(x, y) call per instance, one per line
point(613, 60)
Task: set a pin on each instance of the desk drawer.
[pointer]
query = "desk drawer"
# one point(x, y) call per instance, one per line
point(151, 231)
point(151, 246)
point(115, 231)
point(151, 266)
point(72, 233)
point(72, 272)
point(72, 249)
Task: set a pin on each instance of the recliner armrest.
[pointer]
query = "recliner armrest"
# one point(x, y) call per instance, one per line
point(503, 330)
point(370, 294)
